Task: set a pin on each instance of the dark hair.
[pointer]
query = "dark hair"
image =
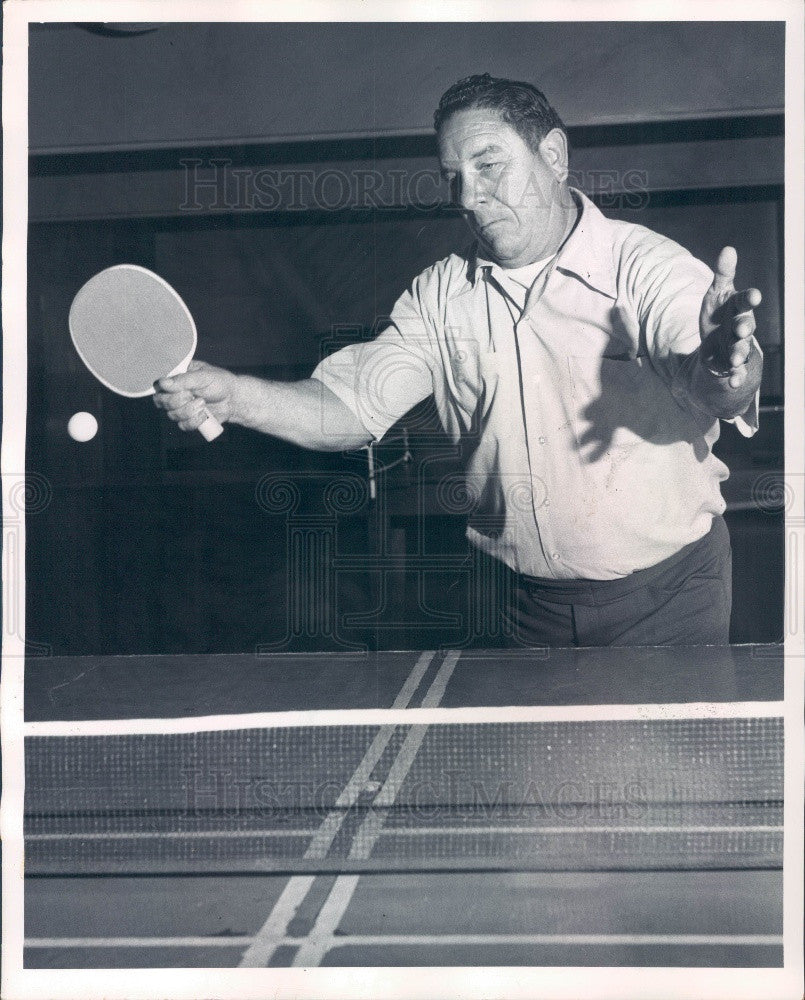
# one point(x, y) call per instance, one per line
point(519, 104)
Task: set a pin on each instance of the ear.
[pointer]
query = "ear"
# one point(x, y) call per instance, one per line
point(553, 153)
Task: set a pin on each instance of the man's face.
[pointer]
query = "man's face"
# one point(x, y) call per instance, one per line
point(509, 194)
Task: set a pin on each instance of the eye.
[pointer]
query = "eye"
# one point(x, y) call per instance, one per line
point(491, 165)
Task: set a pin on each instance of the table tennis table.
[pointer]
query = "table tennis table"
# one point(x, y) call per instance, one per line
point(442, 908)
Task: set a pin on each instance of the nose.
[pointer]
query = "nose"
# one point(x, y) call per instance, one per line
point(468, 193)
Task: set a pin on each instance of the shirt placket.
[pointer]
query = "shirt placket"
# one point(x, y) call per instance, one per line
point(534, 363)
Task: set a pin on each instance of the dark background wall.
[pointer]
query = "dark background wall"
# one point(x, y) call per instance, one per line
point(283, 179)
point(191, 84)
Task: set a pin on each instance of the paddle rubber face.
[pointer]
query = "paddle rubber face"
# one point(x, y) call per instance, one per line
point(130, 329)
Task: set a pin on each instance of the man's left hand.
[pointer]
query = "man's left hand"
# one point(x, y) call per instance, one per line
point(727, 322)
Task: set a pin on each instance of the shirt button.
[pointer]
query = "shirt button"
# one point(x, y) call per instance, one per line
point(542, 440)
point(555, 555)
point(546, 503)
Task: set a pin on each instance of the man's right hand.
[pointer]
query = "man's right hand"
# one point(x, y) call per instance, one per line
point(202, 389)
point(306, 413)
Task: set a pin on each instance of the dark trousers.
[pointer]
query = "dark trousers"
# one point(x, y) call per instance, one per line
point(683, 601)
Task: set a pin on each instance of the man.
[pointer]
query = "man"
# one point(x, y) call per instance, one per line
point(583, 364)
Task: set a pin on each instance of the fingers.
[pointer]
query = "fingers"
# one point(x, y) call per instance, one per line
point(183, 409)
point(193, 416)
point(746, 300)
point(738, 378)
point(198, 380)
point(743, 326)
point(188, 399)
point(724, 273)
point(723, 283)
point(739, 353)
point(171, 401)
point(727, 322)
point(712, 313)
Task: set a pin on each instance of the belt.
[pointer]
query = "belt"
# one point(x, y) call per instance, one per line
point(598, 592)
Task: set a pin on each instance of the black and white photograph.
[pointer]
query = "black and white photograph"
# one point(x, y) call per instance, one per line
point(403, 500)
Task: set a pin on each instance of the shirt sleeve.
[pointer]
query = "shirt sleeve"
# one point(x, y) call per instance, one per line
point(382, 379)
point(667, 285)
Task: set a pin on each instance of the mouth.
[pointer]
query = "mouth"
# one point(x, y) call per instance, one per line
point(484, 227)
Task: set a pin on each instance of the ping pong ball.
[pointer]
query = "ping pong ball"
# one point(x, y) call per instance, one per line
point(82, 426)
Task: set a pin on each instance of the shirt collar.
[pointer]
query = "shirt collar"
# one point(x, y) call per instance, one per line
point(586, 253)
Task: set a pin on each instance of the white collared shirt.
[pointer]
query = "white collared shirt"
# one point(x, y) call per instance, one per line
point(585, 455)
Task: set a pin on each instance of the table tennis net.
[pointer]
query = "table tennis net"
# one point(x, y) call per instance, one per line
point(536, 795)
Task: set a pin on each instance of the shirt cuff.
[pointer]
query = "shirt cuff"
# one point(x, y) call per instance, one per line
point(344, 391)
point(745, 423)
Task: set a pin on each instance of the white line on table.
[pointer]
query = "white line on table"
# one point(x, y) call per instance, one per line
point(219, 941)
point(453, 831)
point(711, 940)
point(169, 835)
point(262, 947)
point(408, 940)
point(316, 945)
point(425, 716)
point(425, 831)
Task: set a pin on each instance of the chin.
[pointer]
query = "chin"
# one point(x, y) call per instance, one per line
point(497, 253)
point(506, 259)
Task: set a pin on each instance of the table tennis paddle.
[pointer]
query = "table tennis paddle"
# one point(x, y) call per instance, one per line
point(131, 328)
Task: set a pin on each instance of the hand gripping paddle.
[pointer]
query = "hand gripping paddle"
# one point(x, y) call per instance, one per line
point(131, 328)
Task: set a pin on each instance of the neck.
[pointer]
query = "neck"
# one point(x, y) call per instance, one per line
point(562, 219)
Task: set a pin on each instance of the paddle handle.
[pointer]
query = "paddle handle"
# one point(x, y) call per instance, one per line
point(210, 429)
